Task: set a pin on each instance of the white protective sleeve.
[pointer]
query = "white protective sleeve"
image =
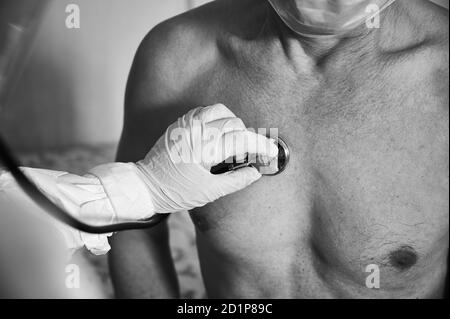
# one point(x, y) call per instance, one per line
point(110, 193)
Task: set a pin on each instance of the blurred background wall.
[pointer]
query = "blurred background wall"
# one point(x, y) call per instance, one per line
point(72, 90)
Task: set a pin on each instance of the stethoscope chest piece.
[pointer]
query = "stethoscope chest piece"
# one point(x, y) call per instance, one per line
point(283, 157)
point(266, 169)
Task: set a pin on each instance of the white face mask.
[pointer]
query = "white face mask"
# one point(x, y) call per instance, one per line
point(319, 18)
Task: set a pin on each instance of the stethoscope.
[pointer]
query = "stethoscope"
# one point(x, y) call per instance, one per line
point(12, 164)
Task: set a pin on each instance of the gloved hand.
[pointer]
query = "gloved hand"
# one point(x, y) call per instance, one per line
point(177, 168)
point(174, 176)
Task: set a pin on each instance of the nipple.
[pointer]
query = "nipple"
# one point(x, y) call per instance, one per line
point(403, 258)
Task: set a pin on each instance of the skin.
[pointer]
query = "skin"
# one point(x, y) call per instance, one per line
point(367, 126)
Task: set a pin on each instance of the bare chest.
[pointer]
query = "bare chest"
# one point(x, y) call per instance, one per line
point(368, 178)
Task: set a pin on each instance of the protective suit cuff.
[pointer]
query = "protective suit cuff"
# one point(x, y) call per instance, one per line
point(96, 244)
point(128, 193)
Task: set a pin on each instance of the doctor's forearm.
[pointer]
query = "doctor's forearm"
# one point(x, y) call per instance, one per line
point(108, 194)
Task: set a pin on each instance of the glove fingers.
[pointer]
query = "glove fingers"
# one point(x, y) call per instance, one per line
point(239, 143)
point(227, 125)
point(214, 112)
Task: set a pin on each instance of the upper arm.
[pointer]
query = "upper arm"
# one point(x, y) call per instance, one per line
point(154, 94)
point(140, 261)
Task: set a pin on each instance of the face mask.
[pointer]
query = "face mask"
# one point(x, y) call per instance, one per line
point(326, 18)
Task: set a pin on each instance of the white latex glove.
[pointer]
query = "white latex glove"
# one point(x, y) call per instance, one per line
point(177, 168)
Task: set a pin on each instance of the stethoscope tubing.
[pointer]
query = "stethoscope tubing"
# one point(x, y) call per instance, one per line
point(12, 165)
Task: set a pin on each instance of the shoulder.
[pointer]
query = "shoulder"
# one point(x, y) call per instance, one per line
point(172, 55)
point(415, 37)
point(430, 22)
point(416, 25)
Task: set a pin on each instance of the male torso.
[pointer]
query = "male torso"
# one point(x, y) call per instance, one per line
point(366, 120)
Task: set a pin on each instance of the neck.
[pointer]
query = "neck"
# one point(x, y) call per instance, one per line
point(318, 47)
